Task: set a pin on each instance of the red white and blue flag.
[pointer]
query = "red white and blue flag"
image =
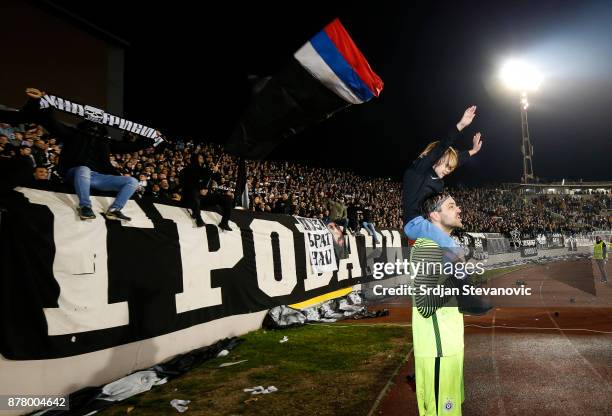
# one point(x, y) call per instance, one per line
point(324, 76)
point(332, 57)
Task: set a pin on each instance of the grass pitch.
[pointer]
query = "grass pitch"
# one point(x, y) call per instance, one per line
point(331, 369)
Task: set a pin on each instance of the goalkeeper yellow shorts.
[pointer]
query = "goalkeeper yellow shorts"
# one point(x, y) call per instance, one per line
point(439, 385)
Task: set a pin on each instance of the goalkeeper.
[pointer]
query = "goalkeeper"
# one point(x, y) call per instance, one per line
point(437, 324)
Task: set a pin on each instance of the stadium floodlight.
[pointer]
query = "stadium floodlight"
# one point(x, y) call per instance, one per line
point(519, 76)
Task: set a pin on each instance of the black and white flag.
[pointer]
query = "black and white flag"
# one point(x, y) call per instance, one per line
point(97, 115)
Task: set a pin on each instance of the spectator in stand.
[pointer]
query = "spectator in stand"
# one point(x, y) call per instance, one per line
point(85, 160)
point(4, 143)
point(196, 193)
point(155, 191)
point(40, 152)
point(354, 211)
point(368, 224)
point(7, 131)
point(21, 167)
point(283, 206)
point(143, 184)
point(41, 173)
point(337, 211)
point(165, 192)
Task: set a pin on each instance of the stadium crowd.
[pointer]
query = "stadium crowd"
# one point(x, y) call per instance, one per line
point(298, 189)
point(503, 210)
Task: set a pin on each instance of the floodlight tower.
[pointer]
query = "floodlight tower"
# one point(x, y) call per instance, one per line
point(521, 77)
point(527, 147)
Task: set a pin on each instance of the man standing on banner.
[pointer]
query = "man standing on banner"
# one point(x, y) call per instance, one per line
point(195, 180)
point(85, 159)
point(437, 323)
point(600, 255)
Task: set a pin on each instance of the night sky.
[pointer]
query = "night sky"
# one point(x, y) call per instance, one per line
point(187, 73)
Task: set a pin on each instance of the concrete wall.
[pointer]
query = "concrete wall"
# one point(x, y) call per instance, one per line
point(40, 49)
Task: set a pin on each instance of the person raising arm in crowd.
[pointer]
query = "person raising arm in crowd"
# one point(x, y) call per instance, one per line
point(85, 159)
